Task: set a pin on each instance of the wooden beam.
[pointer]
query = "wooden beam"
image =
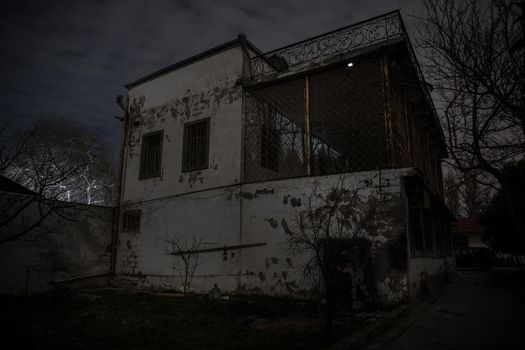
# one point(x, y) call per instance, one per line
point(387, 106)
point(308, 143)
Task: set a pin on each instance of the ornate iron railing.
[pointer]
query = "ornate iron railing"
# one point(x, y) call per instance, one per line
point(351, 38)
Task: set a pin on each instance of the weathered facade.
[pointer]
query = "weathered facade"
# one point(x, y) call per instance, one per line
point(227, 145)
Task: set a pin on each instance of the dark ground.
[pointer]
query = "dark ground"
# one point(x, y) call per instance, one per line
point(480, 310)
point(111, 319)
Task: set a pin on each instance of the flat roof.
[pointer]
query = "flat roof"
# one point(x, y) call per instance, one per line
point(210, 52)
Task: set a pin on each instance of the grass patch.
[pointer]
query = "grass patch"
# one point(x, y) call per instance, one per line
point(116, 320)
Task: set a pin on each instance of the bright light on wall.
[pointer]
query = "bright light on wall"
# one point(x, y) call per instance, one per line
point(350, 64)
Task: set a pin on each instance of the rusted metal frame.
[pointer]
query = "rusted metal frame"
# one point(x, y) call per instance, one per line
point(409, 132)
point(402, 128)
point(80, 278)
point(219, 249)
point(120, 184)
point(424, 86)
point(247, 70)
point(247, 74)
point(147, 160)
point(328, 63)
point(307, 127)
point(353, 37)
point(274, 106)
point(353, 25)
point(385, 74)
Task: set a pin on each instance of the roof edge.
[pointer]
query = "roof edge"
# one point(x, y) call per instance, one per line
point(241, 39)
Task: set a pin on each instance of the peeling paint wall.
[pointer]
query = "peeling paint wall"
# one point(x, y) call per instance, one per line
point(57, 250)
point(273, 269)
point(243, 227)
point(209, 88)
point(253, 214)
point(212, 215)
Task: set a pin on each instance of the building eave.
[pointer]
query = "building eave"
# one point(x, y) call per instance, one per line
point(207, 53)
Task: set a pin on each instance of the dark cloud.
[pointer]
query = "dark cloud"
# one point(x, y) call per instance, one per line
point(72, 58)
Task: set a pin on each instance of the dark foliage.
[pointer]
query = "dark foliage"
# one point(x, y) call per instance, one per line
point(502, 233)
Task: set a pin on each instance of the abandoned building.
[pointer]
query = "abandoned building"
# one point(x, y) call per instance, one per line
point(221, 150)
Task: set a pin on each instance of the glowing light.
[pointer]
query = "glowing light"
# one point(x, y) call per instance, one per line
point(350, 64)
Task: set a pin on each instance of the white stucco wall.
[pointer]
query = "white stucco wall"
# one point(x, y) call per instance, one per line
point(245, 215)
point(207, 88)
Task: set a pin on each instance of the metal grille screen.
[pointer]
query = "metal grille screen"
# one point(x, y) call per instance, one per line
point(324, 123)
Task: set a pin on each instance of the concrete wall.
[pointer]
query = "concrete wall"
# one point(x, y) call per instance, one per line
point(269, 210)
point(428, 275)
point(259, 217)
point(57, 250)
point(208, 88)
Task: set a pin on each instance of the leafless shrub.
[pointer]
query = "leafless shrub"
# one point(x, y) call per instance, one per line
point(333, 230)
point(186, 259)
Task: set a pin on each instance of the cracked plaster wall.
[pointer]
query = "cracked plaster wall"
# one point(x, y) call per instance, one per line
point(248, 214)
point(208, 88)
point(234, 215)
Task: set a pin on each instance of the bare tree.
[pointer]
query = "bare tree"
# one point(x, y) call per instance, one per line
point(333, 230)
point(465, 193)
point(53, 162)
point(22, 213)
point(67, 140)
point(480, 80)
point(185, 252)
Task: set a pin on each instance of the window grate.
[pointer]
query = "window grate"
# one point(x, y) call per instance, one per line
point(131, 221)
point(151, 154)
point(270, 147)
point(196, 145)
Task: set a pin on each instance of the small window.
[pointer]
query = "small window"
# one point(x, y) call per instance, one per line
point(151, 154)
point(131, 221)
point(196, 145)
point(270, 147)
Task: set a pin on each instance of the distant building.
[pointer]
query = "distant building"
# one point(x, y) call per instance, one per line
point(226, 145)
point(467, 233)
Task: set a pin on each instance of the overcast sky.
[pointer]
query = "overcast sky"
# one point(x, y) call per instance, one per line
point(71, 58)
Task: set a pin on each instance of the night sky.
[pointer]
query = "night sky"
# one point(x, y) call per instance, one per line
point(71, 58)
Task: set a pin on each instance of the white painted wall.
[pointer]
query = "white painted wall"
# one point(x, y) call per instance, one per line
point(215, 205)
point(248, 214)
point(207, 88)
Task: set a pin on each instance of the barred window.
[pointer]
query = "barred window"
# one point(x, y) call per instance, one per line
point(131, 221)
point(270, 147)
point(196, 145)
point(150, 155)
